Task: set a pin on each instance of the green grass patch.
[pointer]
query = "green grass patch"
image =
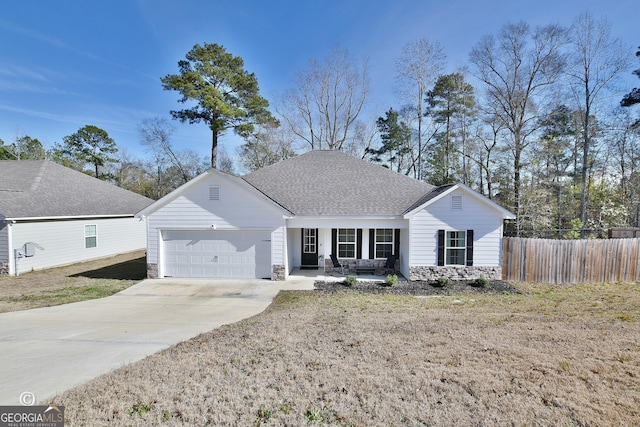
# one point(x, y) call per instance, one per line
point(99, 288)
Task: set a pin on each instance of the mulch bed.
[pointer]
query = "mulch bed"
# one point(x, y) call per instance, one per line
point(419, 287)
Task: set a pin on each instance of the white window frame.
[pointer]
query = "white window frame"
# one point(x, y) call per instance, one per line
point(310, 237)
point(88, 236)
point(389, 244)
point(345, 243)
point(460, 236)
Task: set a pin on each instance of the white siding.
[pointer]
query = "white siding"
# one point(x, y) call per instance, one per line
point(278, 246)
point(237, 208)
point(4, 241)
point(405, 243)
point(293, 248)
point(474, 215)
point(64, 241)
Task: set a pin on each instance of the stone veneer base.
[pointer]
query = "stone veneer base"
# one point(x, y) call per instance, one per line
point(152, 271)
point(278, 273)
point(455, 273)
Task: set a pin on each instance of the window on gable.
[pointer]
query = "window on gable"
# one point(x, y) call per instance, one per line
point(346, 243)
point(90, 236)
point(384, 242)
point(456, 248)
point(214, 193)
point(456, 202)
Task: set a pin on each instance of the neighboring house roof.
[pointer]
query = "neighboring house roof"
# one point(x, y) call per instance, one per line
point(332, 183)
point(43, 189)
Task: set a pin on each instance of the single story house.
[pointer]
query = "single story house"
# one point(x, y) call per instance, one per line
point(51, 215)
point(300, 211)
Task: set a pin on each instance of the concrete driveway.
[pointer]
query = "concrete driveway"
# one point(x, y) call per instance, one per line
point(46, 351)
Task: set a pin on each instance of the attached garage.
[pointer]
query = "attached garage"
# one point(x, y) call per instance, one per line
point(232, 254)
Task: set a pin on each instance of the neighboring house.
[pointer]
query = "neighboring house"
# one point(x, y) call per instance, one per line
point(51, 215)
point(298, 212)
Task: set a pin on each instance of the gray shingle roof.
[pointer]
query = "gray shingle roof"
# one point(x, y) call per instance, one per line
point(435, 191)
point(334, 183)
point(40, 188)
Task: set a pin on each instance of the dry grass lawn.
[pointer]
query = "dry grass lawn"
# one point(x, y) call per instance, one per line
point(72, 283)
point(551, 356)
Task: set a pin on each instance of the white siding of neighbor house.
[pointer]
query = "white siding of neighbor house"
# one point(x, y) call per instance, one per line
point(63, 242)
point(474, 215)
point(237, 208)
point(4, 241)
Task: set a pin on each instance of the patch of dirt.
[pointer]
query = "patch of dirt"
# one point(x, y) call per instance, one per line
point(418, 287)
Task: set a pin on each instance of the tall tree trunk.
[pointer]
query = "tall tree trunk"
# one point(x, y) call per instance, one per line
point(214, 149)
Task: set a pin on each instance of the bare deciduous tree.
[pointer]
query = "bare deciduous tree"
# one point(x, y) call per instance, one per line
point(326, 101)
point(172, 167)
point(596, 60)
point(267, 145)
point(516, 67)
point(420, 63)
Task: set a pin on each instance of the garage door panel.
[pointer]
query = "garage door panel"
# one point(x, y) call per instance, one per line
point(223, 254)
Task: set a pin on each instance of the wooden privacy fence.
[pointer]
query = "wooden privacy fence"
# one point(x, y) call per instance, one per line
point(570, 261)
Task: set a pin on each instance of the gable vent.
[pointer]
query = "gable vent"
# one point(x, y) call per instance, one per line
point(456, 202)
point(214, 193)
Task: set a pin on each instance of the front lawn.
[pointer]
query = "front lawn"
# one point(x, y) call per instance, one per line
point(550, 356)
point(72, 283)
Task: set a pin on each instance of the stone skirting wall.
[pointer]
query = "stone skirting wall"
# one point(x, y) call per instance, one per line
point(455, 273)
point(152, 271)
point(278, 272)
point(4, 269)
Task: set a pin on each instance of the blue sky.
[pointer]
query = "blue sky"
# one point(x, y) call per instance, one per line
point(68, 63)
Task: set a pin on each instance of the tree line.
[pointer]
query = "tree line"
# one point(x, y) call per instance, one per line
point(536, 121)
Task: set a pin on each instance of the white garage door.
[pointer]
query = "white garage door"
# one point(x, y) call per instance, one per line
point(217, 254)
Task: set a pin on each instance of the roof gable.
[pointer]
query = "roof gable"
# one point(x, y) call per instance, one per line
point(440, 192)
point(321, 183)
point(202, 180)
point(43, 189)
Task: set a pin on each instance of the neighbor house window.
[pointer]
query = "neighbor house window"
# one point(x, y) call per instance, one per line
point(455, 247)
point(384, 242)
point(90, 236)
point(346, 243)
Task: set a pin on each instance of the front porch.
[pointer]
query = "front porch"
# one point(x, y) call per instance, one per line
point(363, 249)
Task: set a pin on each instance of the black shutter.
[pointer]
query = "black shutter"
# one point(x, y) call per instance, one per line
point(396, 249)
point(334, 241)
point(359, 243)
point(372, 243)
point(469, 247)
point(440, 247)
